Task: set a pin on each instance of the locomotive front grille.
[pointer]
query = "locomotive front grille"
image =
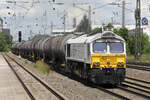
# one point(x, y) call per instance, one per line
point(106, 59)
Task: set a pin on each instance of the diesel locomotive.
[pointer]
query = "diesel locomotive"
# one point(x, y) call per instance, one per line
point(100, 58)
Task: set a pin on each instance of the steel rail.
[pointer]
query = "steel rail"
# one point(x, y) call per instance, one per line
point(136, 88)
point(58, 95)
point(138, 80)
point(133, 92)
point(112, 93)
point(138, 68)
point(22, 83)
point(146, 87)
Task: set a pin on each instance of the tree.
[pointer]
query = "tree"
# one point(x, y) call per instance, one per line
point(5, 42)
point(145, 44)
point(39, 36)
point(124, 33)
point(110, 26)
point(84, 25)
point(130, 41)
point(97, 30)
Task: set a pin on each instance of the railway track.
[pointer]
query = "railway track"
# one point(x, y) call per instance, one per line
point(25, 86)
point(136, 84)
point(98, 87)
point(128, 91)
point(141, 87)
point(22, 83)
point(113, 93)
point(137, 80)
point(139, 63)
point(127, 87)
point(131, 89)
point(138, 67)
point(134, 90)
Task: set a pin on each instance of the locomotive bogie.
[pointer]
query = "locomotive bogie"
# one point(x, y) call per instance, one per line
point(107, 75)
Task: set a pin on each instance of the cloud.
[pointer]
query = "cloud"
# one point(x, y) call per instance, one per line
point(4, 12)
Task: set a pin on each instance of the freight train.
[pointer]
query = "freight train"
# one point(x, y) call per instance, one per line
point(100, 58)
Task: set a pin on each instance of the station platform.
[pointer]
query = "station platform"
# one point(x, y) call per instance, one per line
point(10, 87)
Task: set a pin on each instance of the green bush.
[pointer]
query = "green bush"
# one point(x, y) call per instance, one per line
point(97, 30)
point(42, 67)
point(145, 44)
point(5, 42)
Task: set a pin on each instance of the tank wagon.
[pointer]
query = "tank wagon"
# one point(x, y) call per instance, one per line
point(16, 48)
point(100, 58)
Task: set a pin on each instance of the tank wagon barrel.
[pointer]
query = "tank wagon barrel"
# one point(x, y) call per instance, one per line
point(16, 48)
point(58, 47)
point(25, 48)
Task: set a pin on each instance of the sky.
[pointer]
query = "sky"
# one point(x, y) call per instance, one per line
point(37, 16)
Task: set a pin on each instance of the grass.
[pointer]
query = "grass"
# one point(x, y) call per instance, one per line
point(144, 58)
point(42, 67)
point(26, 62)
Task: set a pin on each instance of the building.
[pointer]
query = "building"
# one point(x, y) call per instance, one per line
point(2, 29)
point(6, 31)
point(1, 25)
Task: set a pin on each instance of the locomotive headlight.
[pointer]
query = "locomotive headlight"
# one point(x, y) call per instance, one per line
point(96, 64)
point(120, 64)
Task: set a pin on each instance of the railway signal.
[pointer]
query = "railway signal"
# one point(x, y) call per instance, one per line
point(20, 36)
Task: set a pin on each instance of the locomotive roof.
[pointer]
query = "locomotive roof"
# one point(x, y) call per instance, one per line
point(88, 39)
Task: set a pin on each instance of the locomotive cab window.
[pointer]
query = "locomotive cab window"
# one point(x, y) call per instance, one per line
point(116, 47)
point(100, 47)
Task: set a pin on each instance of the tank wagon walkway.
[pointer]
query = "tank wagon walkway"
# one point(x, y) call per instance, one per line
point(10, 87)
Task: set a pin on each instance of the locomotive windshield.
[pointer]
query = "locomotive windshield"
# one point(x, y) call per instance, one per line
point(116, 47)
point(100, 47)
